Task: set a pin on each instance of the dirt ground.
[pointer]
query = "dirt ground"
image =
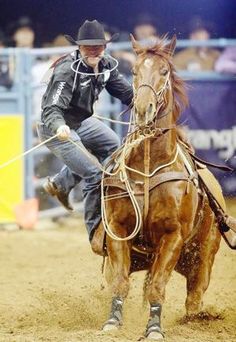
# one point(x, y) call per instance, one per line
point(50, 290)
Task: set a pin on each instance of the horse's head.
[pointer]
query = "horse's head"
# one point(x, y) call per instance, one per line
point(153, 77)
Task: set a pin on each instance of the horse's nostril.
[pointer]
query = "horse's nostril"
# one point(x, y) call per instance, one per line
point(150, 108)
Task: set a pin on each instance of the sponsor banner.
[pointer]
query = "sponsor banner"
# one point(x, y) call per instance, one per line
point(211, 119)
point(11, 176)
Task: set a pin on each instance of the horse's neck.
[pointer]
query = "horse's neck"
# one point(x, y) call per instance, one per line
point(161, 150)
point(163, 146)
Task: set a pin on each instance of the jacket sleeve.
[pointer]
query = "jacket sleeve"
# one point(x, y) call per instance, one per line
point(119, 87)
point(55, 101)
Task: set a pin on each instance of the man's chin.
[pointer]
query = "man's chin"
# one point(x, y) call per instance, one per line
point(92, 61)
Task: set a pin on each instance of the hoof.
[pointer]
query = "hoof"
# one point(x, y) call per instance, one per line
point(109, 327)
point(111, 324)
point(202, 316)
point(154, 335)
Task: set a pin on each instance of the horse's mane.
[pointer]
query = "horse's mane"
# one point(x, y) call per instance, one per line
point(179, 87)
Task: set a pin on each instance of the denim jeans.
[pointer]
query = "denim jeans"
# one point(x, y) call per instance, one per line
point(101, 141)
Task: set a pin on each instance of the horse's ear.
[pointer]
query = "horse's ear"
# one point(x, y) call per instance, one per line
point(136, 46)
point(171, 45)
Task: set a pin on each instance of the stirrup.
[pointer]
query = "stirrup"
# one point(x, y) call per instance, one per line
point(231, 223)
point(98, 242)
point(230, 238)
point(228, 231)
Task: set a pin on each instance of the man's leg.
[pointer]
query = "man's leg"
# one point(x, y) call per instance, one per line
point(64, 181)
point(80, 164)
point(227, 222)
point(102, 142)
point(61, 184)
point(96, 136)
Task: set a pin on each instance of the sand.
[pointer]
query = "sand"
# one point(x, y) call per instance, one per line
point(51, 289)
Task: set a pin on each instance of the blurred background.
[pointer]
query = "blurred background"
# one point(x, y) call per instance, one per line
point(53, 17)
point(32, 37)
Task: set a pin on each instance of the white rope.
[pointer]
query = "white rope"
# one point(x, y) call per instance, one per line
point(83, 149)
point(137, 210)
point(93, 159)
point(80, 60)
point(27, 152)
point(124, 178)
point(111, 120)
point(157, 169)
point(115, 196)
point(138, 214)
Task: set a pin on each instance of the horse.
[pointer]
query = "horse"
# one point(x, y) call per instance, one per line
point(156, 216)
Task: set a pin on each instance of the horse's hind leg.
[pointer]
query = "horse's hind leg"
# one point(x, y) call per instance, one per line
point(198, 276)
point(118, 266)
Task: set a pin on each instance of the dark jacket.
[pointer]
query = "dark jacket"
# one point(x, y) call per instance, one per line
point(61, 105)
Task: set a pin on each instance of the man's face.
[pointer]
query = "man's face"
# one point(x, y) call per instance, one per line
point(92, 54)
point(200, 34)
point(24, 37)
point(144, 31)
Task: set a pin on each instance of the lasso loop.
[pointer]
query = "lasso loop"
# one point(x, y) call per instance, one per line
point(80, 60)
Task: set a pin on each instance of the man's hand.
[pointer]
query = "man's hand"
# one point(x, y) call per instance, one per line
point(63, 132)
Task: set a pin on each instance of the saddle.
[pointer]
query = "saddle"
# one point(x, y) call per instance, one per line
point(203, 179)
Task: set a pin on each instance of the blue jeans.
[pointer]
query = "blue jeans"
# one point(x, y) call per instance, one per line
point(101, 141)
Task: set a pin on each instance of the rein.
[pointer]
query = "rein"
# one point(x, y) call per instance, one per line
point(159, 96)
point(122, 170)
point(143, 134)
point(161, 91)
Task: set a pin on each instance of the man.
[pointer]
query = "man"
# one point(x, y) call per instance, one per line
point(226, 63)
point(22, 33)
point(6, 68)
point(67, 107)
point(145, 29)
point(197, 58)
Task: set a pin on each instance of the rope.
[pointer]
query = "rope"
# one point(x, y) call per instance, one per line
point(137, 210)
point(124, 179)
point(157, 169)
point(111, 120)
point(81, 59)
point(26, 152)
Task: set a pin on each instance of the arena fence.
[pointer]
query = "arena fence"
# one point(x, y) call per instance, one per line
point(20, 110)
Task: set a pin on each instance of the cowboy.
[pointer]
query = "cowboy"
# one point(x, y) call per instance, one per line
point(67, 108)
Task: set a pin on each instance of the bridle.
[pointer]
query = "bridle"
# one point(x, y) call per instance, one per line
point(159, 96)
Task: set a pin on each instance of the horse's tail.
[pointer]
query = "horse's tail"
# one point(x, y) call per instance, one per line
point(145, 286)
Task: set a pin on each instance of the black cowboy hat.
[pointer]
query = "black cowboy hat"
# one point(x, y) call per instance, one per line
point(91, 33)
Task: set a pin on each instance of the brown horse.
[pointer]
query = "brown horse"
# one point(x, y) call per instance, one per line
point(155, 214)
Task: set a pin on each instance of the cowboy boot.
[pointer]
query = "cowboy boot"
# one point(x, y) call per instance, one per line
point(98, 241)
point(230, 238)
point(51, 188)
point(230, 222)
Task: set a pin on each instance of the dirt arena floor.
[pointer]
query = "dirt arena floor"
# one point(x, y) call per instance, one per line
point(50, 290)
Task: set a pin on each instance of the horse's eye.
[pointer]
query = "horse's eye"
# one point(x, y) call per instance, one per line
point(134, 72)
point(164, 72)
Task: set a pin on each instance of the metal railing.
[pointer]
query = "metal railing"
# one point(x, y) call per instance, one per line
point(18, 98)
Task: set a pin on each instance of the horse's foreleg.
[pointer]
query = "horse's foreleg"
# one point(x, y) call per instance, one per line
point(119, 266)
point(165, 261)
